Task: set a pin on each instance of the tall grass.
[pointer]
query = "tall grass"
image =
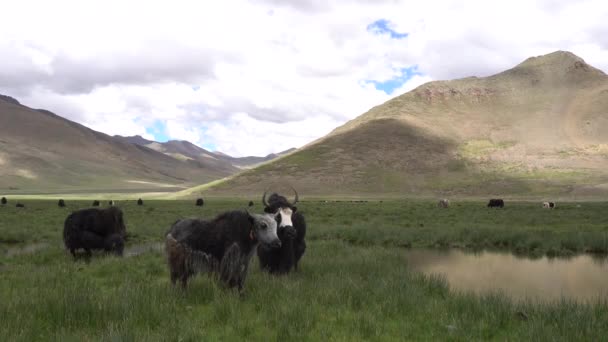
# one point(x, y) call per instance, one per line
point(354, 283)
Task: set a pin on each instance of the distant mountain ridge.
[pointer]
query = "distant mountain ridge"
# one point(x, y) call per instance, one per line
point(539, 129)
point(42, 152)
point(185, 149)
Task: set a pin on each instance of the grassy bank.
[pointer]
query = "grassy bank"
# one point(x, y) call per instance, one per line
point(354, 283)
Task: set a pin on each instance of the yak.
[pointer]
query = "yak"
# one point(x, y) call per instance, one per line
point(251, 203)
point(199, 202)
point(20, 205)
point(140, 202)
point(222, 246)
point(3, 201)
point(61, 203)
point(496, 203)
point(444, 203)
point(96, 203)
point(111, 203)
point(291, 231)
point(549, 205)
point(95, 229)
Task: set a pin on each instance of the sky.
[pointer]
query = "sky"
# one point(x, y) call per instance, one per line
point(249, 77)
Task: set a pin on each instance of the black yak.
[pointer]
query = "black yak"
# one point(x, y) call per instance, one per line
point(96, 203)
point(496, 203)
point(222, 246)
point(200, 202)
point(111, 203)
point(291, 231)
point(61, 203)
point(20, 205)
point(251, 203)
point(3, 201)
point(444, 203)
point(94, 229)
point(140, 202)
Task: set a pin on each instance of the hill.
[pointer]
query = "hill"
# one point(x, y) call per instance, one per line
point(41, 152)
point(185, 150)
point(539, 129)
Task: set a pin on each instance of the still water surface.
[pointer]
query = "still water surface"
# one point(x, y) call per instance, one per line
point(582, 278)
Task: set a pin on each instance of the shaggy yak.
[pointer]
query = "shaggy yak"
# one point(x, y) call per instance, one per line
point(93, 228)
point(251, 203)
point(291, 231)
point(3, 201)
point(199, 202)
point(96, 203)
point(222, 246)
point(20, 205)
point(444, 203)
point(111, 203)
point(496, 203)
point(140, 202)
point(61, 203)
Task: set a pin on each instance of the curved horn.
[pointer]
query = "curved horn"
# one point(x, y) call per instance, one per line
point(264, 199)
point(296, 199)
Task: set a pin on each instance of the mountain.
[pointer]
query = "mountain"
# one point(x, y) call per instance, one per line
point(185, 150)
point(539, 129)
point(43, 152)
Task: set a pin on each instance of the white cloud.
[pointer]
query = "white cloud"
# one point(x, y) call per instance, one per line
point(269, 74)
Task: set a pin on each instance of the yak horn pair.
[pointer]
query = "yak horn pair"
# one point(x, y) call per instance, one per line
point(294, 201)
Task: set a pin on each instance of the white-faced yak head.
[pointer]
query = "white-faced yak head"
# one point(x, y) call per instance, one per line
point(279, 204)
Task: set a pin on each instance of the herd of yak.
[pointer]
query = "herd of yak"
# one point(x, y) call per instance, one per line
point(222, 246)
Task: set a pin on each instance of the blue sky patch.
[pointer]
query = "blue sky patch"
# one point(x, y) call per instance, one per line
point(159, 131)
point(383, 26)
point(389, 86)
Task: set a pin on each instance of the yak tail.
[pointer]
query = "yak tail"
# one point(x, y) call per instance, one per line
point(193, 261)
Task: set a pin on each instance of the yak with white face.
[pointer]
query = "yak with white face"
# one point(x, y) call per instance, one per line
point(291, 231)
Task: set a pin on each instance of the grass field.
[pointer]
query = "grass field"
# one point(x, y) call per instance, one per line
point(354, 283)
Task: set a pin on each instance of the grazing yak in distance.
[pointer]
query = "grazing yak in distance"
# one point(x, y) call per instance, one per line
point(111, 203)
point(222, 246)
point(95, 229)
point(291, 231)
point(61, 203)
point(444, 203)
point(199, 202)
point(549, 205)
point(95, 203)
point(496, 203)
point(3, 201)
point(140, 202)
point(20, 205)
point(251, 203)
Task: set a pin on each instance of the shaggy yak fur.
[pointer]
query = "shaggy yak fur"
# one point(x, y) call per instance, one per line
point(200, 202)
point(61, 203)
point(96, 203)
point(293, 245)
point(496, 203)
point(223, 246)
point(3, 201)
point(93, 229)
point(140, 202)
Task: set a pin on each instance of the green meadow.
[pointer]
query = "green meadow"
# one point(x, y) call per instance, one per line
point(354, 282)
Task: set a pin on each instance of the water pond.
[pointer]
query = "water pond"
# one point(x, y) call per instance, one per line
point(582, 278)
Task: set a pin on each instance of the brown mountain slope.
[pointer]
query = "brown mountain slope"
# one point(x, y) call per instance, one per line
point(538, 129)
point(43, 152)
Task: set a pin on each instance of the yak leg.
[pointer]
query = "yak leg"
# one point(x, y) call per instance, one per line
point(231, 266)
point(300, 247)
